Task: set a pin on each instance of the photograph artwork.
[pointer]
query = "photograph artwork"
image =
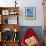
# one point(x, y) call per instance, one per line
point(30, 13)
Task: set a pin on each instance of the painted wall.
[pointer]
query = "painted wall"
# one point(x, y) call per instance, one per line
point(37, 29)
point(7, 3)
point(35, 23)
point(27, 3)
point(39, 13)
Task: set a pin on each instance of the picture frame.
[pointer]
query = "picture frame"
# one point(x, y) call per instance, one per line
point(5, 12)
point(30, 13)
point(13, 12)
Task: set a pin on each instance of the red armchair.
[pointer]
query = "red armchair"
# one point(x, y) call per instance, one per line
point(30, 34)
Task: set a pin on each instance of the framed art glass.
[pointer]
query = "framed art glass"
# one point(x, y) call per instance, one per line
point(30, 13)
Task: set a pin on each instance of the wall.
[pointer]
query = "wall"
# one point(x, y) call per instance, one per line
point(38, 30)
point(7, 3)
point(39, 13)
point(27, 3)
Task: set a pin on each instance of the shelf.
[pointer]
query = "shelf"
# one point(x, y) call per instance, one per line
point(9, 19)
point(10, 26)
point(4, 8)
point(11, 41)
point(9, 11)
point(5, 12)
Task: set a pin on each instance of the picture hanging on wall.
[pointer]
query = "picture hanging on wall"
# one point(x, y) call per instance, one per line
point(30, 13)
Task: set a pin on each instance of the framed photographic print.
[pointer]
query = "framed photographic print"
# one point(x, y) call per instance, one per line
point(5, 12)
point(30, 13)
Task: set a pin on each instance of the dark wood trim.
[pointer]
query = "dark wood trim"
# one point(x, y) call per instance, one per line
point(11, 26)
point(5, 8)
